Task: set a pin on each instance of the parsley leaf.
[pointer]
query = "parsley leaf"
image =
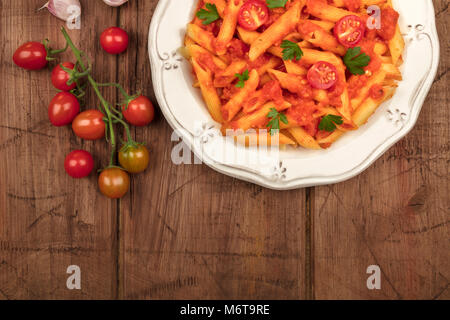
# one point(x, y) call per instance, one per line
point(291, 50)
point(274, 123)
point(355, 60)
point(329, 122)
point(276, 3)
point(208, 15)
point(242, 78)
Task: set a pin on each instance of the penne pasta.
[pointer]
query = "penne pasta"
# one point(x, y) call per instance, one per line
point(301, 74)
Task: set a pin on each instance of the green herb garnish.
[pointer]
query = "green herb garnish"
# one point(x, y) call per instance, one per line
point(329, 122)
point(208, 15)
point(356, 61)
point(291, 50)
point(276, 3)
point(274, 123)
point(242, 78)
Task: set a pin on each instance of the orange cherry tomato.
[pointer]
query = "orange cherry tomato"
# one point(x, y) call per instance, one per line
point(89, 125)
point(134, 159)
point(114, 183)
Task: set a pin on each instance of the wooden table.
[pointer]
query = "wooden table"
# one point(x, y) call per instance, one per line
point(189, 232)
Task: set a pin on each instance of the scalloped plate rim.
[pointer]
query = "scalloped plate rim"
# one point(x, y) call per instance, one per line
point(303, 182)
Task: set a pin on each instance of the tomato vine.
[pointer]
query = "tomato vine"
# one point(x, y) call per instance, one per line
point(112, 115)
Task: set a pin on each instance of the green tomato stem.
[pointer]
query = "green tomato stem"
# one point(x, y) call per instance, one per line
point(110, 116)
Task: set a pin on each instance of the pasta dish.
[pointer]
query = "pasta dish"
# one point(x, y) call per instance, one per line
point(302, 71)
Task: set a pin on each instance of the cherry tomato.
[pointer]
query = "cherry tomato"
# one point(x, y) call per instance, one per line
point(114, 183)
point(31, 56)
point(79, 164)
point(253, 14)
point(322, 75)
point(60, 77)
point(114, 40)
point(134, 159)
point(349, 31)
point(139, 112)
point(89, 125)
point(63, 108)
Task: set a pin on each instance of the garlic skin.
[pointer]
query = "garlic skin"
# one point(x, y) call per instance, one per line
point(62, 8)
point(115, 3)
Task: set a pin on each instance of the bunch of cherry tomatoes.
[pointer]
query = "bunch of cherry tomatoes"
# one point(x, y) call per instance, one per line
point(94, 124)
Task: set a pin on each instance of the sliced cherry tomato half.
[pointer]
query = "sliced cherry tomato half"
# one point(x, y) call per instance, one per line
point(322, 75)
point(253, 14)
point(349, 31)
point(114, 183)
point(31, 56)
point(134, 159)
point(60, 77)
point(79, 164)
point(63, 108)
point(114, 40)
point(139, 112)
point(89, 125)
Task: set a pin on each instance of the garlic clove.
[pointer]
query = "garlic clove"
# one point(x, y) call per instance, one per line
point(62, 9)
point(114, 3)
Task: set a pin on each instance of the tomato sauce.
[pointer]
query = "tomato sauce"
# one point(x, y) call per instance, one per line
point(352, 5)
point(272, 91)
point(376, 92)
point(389, 20)
point(237, 49)
point(302, 111)
point(207, 63)
point(367, 47)
point(355, 83)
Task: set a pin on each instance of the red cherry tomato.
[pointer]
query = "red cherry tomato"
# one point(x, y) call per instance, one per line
point(253, 14)
point(60, 77)
point(31, 56)
point(89, 125)
point(322, 75)
point(114, 183)
point(349, 31)
point(63, 108)
point(79, 164)
point(139, 112)
point(114, 40)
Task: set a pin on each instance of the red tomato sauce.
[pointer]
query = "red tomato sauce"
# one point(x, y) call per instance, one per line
point(367, 46)
point(237, 49)
point(389, 20)
point(303, 112)
point(355, 83)
point(207, 63)
point(352, 5)
point(272, 91)
point(376, 92)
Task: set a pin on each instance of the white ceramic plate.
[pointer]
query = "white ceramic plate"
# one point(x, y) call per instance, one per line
point(186, 112)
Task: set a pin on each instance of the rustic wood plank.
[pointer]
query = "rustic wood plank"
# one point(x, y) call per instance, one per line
point(49, 221)
point(396, 214)
point(189, 232)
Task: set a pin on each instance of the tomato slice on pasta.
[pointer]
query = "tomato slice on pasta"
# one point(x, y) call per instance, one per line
point(349, 31)
point(322, 75)
point(253, 14)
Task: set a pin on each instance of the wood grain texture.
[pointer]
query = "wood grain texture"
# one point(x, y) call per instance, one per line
point(49, 221)
point(190, 232)
point(394, 215)
point(187, 232)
